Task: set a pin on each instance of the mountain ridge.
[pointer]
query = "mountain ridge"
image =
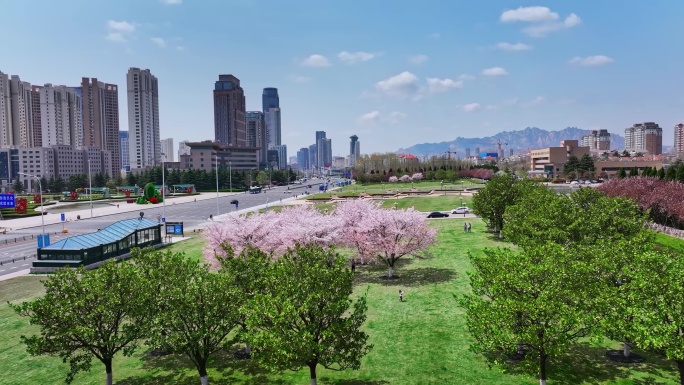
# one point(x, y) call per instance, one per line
point(518, 140)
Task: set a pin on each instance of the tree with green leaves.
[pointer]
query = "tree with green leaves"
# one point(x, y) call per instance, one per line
point(195, 310)
point(306, 317)
point(586, 164)
point(572, 164)
point(17, 186)
point(262, 178)
point(633, 172)
point(671, 173)
point(529, 301)
point(84, 314)
point(499, 193)
point(621, 174)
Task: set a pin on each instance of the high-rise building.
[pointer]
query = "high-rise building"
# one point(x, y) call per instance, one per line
point(644, 137)
point(303, 158)
point(354, 147)
point(256, 133)
point(324, 155)
point(229, 112)
point(467, 152)
point(282, 156)
point(183, 148)
point(123, 148)
point(101, 119)
point(167, 150)
point(293, 163)
point(273, 127)
point(269, 99)
point(477, 150)
point(22, 110)
point(679, 140)
point(61, 116)
point(313, 156)
point(35, 116)
point(597, 140)
point(320, 135)
point(5, 111)
point(143, 118)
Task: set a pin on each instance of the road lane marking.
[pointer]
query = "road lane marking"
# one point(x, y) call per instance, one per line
point(13, 267)
point(26, 264)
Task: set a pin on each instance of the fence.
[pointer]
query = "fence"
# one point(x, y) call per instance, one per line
point(15, 259)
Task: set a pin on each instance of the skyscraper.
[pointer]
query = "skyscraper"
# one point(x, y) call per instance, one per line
point(324, 155)
point(5, 111)
point(167, 150)
point(354, 147)
point(679, 140)
point(269, 99)
point(282, 156)
point(35, 117)
point(101, 119)
point(303, 158)
point(22, 110)
point(313, 156)
point(256, 134)
point(647, 136)
point(320, 135)
point(597, 140)
point(123, 146)
point(273, 126)
point(61, 116)
point(143, 118)
point(229, 112)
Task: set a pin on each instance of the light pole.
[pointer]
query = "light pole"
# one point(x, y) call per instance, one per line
point(230, 176)
point(40, 191)
point(90, 182)
point(163, 164)
point(217, 188)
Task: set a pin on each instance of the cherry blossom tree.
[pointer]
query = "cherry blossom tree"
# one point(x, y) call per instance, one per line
point(405, 178)
point(387, 235)
point(417, 176)
point(393, 179)
point(304, 225)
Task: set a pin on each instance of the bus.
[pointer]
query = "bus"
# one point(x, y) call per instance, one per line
point(255, 190)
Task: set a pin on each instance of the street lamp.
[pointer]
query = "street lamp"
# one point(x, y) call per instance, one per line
point(163, 163)
point(230, 176)
point(250, 178)
point(40, 191)
point(217, 188)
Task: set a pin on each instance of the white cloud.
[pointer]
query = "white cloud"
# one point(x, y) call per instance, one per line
point(158, 41)
point(591, 61)
point(299, 79)
point(534, 102)
point(369, 117)
point(171, 2)
point(543, 29)
point(116, 37)
point(470, 107)
point(316, 60)
point(494, 71)
point(513, 47)
point(466, 77)
point(120, 26)
point(529, 14)
point(356, 57)
point(442, 85)
point(401, 86)
point(418, 59)
point(396, 116)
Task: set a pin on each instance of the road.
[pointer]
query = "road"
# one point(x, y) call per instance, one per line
point(192, 215)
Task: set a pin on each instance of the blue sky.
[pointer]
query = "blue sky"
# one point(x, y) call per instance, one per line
point(395, 73)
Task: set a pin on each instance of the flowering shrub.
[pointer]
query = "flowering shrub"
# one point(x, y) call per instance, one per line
point(405, 178)
point(663, 199)
point(417, 176)
point(21, 206)
point(478, 173)
point(393, 179)
point(153, 200)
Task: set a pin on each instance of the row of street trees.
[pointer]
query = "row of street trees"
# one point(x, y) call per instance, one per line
point(293, 313)
point(584, 265)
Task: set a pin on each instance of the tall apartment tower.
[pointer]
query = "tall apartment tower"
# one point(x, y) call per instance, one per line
point(303, 158)
point(229, 112)
point(270, 105)
point(256, 134)
point(35, 116)
point(167, 150)
point(101, 119)
point(597, 140)
point(5, 111)
point(144, 145)
point(270, 99)
point(679, 140)
point(282, 156)
point(467, 152)
point(313, 154)
point(22, 110)
point(647, 136)
point(124, 153)
point(324, 149)
point(354, 149)
point(60, 116)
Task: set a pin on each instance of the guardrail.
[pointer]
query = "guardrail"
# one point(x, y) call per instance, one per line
point(15, 259)
point(24, 237)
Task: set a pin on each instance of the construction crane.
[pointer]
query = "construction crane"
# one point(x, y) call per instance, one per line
point(449, 154)
point(499, 143)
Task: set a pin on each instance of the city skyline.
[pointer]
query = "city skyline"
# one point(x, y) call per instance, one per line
point(458, 71)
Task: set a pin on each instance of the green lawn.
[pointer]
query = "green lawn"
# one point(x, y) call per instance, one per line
point(427, 185)
point(420, 341)
point(670, 243)
point(433, 203)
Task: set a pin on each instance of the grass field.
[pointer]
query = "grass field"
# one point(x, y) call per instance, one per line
point(426, 185)
point(420, 341)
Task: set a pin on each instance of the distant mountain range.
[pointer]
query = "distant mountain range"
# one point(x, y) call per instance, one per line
point(520, 141)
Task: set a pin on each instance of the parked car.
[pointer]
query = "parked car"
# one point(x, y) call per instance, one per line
point(461, 210)
point(437, 214)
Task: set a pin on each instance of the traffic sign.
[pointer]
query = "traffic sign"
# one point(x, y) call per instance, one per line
point(163, 220)
point(7, 201)
point(62, 217)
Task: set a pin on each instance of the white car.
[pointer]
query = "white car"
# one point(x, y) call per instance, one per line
point(461, 210)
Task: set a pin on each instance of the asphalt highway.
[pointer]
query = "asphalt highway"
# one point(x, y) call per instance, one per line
point(192, 214)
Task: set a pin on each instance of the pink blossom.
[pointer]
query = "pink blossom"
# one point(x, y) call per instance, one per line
point(417, 176)
point(304, 224)
point(405, 178)
point(393, 179)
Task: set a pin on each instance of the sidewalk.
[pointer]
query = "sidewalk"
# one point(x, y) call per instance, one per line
point(51, 219)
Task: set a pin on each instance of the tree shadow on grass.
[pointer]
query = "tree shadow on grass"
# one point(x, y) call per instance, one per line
point(327, 380)
point(405, 277)
point(586, 364)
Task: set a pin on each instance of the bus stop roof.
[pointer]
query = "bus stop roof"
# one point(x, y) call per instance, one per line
point(112, 233)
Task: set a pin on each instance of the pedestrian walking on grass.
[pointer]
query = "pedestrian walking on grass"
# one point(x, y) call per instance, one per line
point(353, 266)
point(401, 295)
point(469, 226)
point(465, 227)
